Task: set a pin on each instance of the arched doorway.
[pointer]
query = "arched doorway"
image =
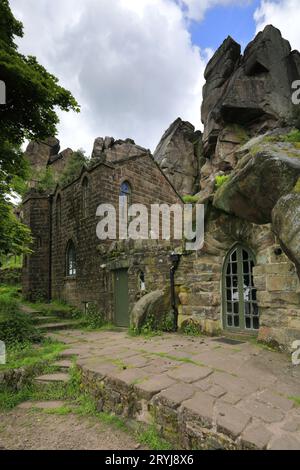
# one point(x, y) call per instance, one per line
point(240, 309)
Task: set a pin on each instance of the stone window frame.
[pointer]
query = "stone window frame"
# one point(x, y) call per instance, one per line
point(71, 264)
point(85, 185)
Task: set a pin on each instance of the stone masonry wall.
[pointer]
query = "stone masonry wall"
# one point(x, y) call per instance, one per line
point(93, 282)
point(199, 276)
point(36, 267)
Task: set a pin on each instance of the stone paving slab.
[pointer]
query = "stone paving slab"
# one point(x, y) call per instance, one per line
point(208, 395)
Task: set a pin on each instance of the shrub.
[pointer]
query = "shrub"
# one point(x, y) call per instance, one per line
point(191, 328)
point(93, 317)
point(15, 326)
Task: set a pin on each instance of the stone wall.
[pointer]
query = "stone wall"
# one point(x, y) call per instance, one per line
point(36, 267)
point(97, 260)
point(199, 285)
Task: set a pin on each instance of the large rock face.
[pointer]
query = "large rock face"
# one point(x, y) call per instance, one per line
point(252, 91)
point(179, 154)
point(260, 179)
point(39, 153)
point(46, 154)
point(286, 225)
point(111, 150)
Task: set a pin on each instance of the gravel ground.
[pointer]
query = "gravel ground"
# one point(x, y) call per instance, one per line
point(24, 429)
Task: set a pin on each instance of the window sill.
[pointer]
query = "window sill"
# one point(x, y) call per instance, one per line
point(70, 278)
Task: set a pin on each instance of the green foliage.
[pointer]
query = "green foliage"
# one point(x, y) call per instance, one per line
point(15, 327)
point(296, 117)
point(94, 319)
point(74, 167)
point(155, 326)
point(33, 98)
point(46, 181)
point(29, 355)
point(293, 136)
point(15, 237)
point(297, 187)
point(153, 440)
point(11, 261)
point(220, 180)
point(191, 328)
point(296, 400)
point(190, 199)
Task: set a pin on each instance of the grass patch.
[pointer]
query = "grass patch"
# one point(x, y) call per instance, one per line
point(296, 400)
point(293, 136)
point(188, 199)
point(60, 411)
point(27, 355)
point(221, 180)
point(152, 439)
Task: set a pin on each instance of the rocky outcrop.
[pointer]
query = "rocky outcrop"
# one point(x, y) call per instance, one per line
point(179, 154)
point(39, 153)
point(265, 174)
point(111, 150)
point(46, 154)
point(286, 225)
point(245, 96)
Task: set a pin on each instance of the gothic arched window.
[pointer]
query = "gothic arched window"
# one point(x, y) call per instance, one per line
point(71, 268)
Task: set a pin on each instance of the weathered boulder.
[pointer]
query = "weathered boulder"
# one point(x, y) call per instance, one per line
point(111, 150)
point(179, 154)
point(261, 178)
point(154, 306)
point(253, 90)
point(39, 153)
point(286, 225)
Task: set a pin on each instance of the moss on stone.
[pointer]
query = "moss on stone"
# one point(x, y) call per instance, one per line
point(297, 187)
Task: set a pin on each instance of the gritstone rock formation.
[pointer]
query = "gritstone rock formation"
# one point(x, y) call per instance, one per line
point(46, 154)
point(111, 150)
point(179, 154)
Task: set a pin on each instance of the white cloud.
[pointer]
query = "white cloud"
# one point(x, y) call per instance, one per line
point(284, 14)
point(196, 9)
point(130, 63)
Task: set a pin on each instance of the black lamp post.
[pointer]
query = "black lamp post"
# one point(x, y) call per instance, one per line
point(175, 259)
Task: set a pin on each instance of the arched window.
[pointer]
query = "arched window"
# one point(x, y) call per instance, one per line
point(125, 191)
point(58, 211)
point(71, 259)
point(85, 196)
point(240, 309)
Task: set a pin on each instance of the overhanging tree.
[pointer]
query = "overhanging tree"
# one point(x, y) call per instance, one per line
point(33, 96)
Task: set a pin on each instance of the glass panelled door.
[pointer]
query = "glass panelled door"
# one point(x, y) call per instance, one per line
point(240, 309)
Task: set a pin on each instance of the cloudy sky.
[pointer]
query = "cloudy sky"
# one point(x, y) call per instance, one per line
point(136, 65)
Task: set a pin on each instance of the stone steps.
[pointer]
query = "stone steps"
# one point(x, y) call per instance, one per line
point(41, 320)
point(47, 327)
point(50, 379)
point(63, 365)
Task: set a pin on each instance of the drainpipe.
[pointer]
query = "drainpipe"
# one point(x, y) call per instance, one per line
point(175, 259)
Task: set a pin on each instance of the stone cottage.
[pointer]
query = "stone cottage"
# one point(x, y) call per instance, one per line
point(245, 169)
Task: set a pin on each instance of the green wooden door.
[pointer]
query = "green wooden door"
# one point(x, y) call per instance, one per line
point(121, 298)
point(240, 309)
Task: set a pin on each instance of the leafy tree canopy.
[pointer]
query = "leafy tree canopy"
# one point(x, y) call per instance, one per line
point(33, 96)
